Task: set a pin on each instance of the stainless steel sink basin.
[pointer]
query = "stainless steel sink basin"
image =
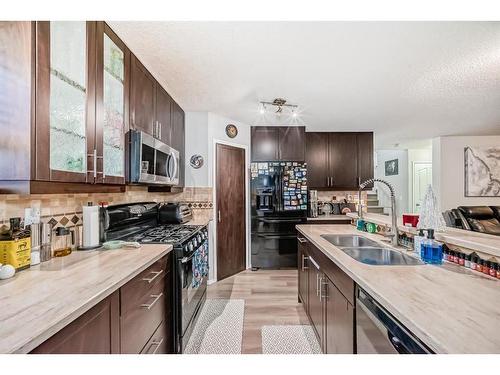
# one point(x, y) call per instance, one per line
point(368, 251)
point(380, 256)
point(349, 240)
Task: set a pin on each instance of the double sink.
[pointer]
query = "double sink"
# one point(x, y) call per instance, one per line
point(368, 251)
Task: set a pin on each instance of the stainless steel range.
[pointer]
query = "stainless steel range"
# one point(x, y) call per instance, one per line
point(153, 224)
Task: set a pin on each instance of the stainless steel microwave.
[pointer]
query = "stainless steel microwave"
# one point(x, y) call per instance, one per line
point(151, 160)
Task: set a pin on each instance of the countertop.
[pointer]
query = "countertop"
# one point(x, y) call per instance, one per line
point(484, 243)
point(451, 309)
point(38, 302)
point(329, 217)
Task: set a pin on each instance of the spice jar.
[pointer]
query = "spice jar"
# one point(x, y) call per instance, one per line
point(498, 271)
point(461, 259)
point(467, 261)
point(493, 269)
point(473, 262)
point(486, 267)
point(479, 265)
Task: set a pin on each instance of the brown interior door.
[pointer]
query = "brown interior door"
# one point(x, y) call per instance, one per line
point(230, 206)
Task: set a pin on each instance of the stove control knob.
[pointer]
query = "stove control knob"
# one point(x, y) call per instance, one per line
point(190, 246)
point(199, 238)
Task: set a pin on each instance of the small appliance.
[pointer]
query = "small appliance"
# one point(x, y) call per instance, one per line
point(151, 161)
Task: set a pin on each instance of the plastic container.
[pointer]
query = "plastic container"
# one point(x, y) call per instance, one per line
point(360, 225)
point(431, 250)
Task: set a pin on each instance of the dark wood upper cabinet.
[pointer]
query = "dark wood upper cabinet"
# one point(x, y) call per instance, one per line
point(274, 143)
point(142, 98)
point(178, 138)
point(163, 115)
point(365, 157)
point(338, 161)
point(292, 143)
point(343, 160)
point(264, 143)
point(317, 160)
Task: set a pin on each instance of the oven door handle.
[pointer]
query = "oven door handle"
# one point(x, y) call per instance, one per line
point(187, 259)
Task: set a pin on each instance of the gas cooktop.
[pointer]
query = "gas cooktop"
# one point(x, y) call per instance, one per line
point(167, 233)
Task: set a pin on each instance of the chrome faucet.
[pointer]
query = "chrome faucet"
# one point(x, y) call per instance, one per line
point(394, 227)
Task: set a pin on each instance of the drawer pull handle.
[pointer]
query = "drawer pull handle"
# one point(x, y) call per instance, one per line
point(156, 274)
point(157, 344)
point(156, 298)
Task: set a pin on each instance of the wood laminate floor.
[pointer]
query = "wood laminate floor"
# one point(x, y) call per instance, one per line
point(270, 299)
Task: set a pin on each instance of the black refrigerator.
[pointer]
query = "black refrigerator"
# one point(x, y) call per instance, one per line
point(279, 203)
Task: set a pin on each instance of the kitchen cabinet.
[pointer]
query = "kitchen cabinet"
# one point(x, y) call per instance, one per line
point(339, 318)
point(137, 318)
point(163, 115)
point(274, 143)
point(327, 296)
point(315, 299)
point(95, 332)
point(74, 90)
point(338, 161)
point(142, 98)
point(303, 266)
point(291, 143)
point(178, 138)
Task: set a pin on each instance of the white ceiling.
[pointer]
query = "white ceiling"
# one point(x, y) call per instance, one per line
point(406, 81)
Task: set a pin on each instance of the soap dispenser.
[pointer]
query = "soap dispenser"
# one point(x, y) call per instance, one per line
point(417, 242)
point(431, 250)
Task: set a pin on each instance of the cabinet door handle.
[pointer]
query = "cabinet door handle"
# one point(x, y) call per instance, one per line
point(302, 240)
point(156, 298)
point(218, 216)
point(155, 273)
point(157, 344)
point(304, 258)
point(317, 284)
point(327, 181)
point(323, 284)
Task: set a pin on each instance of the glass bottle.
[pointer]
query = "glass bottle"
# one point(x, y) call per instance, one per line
point(64, 240)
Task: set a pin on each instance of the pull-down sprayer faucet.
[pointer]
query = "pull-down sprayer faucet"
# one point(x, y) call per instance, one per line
point(394, 226)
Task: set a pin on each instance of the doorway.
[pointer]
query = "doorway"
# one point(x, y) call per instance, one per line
point(231, 217)
point(422, 178)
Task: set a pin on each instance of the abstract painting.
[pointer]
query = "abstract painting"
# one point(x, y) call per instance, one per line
point(482, 171)
point(391, 167)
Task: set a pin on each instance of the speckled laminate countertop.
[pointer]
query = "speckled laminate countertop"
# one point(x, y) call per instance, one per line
point(451, 309)
point(38, 302)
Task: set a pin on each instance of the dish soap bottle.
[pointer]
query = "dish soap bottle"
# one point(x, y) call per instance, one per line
point(417, 242)
point(431, 250)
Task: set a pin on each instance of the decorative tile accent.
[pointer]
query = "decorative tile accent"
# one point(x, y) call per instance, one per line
point(75, 219)
point(64, 221)
point(53, 222)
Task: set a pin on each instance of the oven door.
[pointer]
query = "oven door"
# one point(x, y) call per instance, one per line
point(193, 276)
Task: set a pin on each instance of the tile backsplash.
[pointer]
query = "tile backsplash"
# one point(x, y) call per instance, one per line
point(64, 207)
point(328, 196)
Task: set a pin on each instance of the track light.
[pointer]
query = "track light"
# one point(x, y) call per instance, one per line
point(262, 109)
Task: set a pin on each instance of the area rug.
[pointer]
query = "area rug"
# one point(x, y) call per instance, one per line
point(289, 339)
point(219, 329)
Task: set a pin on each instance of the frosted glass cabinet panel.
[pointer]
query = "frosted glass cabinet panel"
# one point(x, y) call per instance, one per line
point(68, 93)
point(114, 110)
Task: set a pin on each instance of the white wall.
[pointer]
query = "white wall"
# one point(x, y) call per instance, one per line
point(399, 181)
point(197, 143)
point(448, 176)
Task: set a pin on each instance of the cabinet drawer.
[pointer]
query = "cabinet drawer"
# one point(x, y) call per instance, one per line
point(159, 342)
point(140, 286)
point(341, 280)
point(142, 318)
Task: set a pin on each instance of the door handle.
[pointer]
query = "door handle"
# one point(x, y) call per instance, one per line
point(218, 216)
point(301, 239)
point(156, 298)
point(317, 285)
point(323, 284)
point(304, 258)
point(156, 274)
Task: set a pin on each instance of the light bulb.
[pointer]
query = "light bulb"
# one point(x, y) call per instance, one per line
point(294, 114)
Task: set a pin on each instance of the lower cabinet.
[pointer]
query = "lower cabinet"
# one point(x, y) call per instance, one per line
point(328, 304)
point(136, 319)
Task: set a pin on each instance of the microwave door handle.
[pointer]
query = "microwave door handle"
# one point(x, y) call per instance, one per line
point(176, 167)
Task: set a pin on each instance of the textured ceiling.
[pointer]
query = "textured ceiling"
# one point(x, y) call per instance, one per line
point(404, 80)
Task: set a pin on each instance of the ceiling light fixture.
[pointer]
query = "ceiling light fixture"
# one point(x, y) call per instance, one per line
point(281, 104)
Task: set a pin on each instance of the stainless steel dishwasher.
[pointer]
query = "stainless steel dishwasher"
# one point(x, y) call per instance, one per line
point(377, 332)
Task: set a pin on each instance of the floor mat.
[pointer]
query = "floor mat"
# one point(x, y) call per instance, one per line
point(289, 339)
point(219, 329)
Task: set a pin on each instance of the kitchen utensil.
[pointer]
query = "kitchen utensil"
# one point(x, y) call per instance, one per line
point(112, 245)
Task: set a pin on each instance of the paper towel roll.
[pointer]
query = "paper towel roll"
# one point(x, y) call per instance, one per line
point(90, 226)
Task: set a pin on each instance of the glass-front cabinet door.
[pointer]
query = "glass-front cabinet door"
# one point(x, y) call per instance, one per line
point(65, 100)
point(112, 105)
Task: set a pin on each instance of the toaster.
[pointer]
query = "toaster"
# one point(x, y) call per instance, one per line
point(175, 213)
